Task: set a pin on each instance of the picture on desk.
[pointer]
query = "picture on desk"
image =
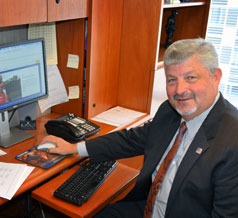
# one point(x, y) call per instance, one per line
point(40, 158)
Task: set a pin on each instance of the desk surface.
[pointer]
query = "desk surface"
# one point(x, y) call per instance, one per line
point(108, 191)
point(39, 175)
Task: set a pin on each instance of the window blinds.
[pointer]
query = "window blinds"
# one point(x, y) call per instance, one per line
point(222, 31)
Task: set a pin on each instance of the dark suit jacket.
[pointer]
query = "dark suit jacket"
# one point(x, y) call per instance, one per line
point(206, 184)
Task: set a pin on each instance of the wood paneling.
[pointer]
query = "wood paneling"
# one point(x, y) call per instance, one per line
point(104, 39)
point(15, 12)
point(70, 40)
point(138, 51)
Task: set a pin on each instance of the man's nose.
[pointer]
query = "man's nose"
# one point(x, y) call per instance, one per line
point(181, 86)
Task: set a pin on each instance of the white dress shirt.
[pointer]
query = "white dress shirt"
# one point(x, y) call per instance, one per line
point(82, 150)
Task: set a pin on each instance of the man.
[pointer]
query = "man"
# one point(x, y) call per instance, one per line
point(202, 179)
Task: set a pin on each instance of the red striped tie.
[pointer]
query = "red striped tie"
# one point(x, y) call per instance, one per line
point(162, 170)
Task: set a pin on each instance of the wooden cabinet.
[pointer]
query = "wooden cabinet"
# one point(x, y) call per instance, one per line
point(121, 46)
point(15, 12)
point(120, 58)
point(125, 44)
point(70, 17)
point(65, 10)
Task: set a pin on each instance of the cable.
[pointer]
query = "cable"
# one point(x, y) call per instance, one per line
point(42, 211)
point(13, 112)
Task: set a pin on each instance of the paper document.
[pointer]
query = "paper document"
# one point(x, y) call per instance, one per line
point(57, 90)
point(118, 116)
point(2, 152)
point(11, 178)
point(48, 32)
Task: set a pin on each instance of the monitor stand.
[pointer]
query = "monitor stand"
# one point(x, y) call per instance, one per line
point(11, 136)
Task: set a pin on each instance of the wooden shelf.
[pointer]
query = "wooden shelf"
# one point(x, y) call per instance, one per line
point(190, 22)
point(187, 4)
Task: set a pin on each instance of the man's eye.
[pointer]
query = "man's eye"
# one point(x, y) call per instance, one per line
point(171, 80)
point(191, 78)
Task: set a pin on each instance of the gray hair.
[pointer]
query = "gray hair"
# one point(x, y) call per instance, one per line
point(181, 50)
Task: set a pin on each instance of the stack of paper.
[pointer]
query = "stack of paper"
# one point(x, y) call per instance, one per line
point(118, 116)
point(11, 178)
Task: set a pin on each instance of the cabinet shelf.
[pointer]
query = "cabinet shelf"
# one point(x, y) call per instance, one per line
point(187, 4)
point(190, 22)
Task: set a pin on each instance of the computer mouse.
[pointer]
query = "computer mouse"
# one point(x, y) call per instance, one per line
point(46, 146)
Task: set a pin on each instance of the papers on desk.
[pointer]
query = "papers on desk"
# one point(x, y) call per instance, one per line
point(11, 178)
point(118, 116)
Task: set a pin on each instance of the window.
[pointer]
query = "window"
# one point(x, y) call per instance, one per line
point(222, 31)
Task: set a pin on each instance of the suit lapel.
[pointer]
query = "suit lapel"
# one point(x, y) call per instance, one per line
point(161, 143)
point(197, 148)
point(195, 151)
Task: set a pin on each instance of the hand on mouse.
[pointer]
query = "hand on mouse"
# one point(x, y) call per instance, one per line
point(62, 147)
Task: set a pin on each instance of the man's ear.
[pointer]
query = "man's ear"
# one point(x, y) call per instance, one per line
point(217, 75)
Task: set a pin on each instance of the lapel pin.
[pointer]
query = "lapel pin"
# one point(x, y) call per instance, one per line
point(199, 150)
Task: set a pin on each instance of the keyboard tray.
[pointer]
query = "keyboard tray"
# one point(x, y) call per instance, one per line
point(78, 188)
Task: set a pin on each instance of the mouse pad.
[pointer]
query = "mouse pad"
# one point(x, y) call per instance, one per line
point(40, 158)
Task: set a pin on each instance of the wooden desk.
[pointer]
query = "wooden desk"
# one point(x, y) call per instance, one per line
point(39, 175)
point(116, 183)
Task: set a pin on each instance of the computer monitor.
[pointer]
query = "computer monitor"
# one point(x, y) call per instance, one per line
point(23, 80)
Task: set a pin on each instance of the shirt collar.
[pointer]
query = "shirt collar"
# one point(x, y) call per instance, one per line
point(194, 124)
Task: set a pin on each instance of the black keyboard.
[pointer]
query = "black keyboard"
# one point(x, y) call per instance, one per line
point(78, 188)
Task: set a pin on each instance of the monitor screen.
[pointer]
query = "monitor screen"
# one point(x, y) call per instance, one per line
point(23, 77)
point(23, 80)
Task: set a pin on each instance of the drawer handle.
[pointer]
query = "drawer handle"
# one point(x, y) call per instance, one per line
point(57, 1)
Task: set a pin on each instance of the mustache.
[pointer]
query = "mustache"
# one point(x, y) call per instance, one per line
point(183, 95)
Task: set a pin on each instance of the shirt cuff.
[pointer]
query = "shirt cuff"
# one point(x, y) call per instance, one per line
point(82, 150)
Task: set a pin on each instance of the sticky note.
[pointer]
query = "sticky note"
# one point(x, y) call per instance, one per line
point(73, 61)
point(73, 92)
